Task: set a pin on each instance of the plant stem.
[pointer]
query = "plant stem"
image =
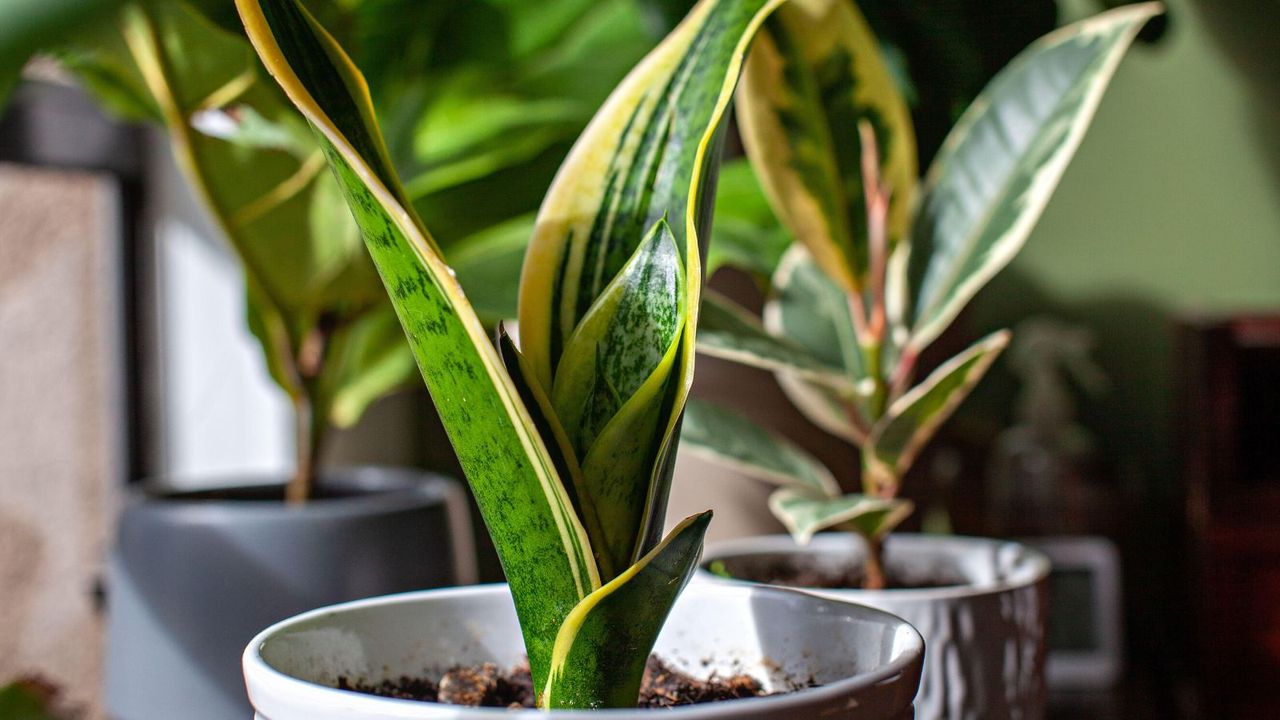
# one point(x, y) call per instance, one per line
point(310, 432)
point(311, 414)
point(873, 574)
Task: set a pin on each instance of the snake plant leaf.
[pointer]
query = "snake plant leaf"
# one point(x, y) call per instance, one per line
point(999, 166)
point(810, 310)
point(728, 331)
point(805, 514)
point(623, 339)
point(650, 152)
point(912, 419)
point(814, 74)
point(540, 541)
point(602, 648)
point(746, 235)
point(731, 439)
point(610, 388)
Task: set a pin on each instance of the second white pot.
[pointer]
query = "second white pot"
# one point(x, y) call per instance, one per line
point(867, 662)
point(984, 639)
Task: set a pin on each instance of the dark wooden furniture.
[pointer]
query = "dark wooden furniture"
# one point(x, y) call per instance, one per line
point(1230, 419)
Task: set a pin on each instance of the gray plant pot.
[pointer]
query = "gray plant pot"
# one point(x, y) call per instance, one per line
point(984, 639)
point(868, 661)
point(193, 576)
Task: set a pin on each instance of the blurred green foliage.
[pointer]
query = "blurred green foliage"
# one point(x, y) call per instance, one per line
point(481, 100)
point(26, 700)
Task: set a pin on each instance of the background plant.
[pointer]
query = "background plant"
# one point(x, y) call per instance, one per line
point(568, 441)
point(483, 99)
point(878, 273)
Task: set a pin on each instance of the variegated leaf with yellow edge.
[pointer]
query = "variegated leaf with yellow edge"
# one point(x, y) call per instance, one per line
point(815, 73)
point(912, 419)
point(578, 427)
point(510, 470)
point(650, 153)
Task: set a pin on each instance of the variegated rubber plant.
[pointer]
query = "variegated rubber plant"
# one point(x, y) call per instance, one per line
point(567, 441)
point(882, 266)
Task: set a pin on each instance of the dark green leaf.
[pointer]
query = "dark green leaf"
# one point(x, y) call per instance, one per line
point(601, 651)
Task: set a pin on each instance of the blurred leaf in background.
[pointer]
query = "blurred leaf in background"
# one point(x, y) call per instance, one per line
point(482, 99)
point(941, 52)
point(29, 699)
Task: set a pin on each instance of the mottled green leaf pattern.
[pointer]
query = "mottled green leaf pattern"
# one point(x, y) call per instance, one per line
point(623, 338)
point(664, 122)
point(530, 515)
point(571, 465)
point(610, 386)
point(596, 663)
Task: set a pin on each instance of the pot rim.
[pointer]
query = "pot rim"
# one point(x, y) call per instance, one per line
point(261, 672)
point(368, 489)
point(1033, 566)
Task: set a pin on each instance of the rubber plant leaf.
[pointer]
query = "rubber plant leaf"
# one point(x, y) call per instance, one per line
point(1002, 161)
point(810, 310)
point(727, 331)
point(912, 419)
point(815, 73)
point(651, 152)
point(804, 514)
point(260, 173)
point(511, 472)
point(595, 664)
point(731, 439)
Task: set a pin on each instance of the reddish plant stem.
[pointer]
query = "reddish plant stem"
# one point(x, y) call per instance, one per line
point(310, 415)
point(873, 577)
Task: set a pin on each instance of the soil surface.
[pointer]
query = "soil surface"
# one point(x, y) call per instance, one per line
point(488, 686)
point(789, 573)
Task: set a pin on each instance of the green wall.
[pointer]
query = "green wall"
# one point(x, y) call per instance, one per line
point(1172, 207)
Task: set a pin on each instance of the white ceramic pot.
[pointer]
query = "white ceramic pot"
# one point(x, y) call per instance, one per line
point(984, 639)
point(867, 661)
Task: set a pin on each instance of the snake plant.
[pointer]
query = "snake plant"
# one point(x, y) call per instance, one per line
point(883, 264)
point(568, 438)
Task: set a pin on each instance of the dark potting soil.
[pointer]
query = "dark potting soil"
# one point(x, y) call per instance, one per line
point(487, 686)
point(790, 573)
